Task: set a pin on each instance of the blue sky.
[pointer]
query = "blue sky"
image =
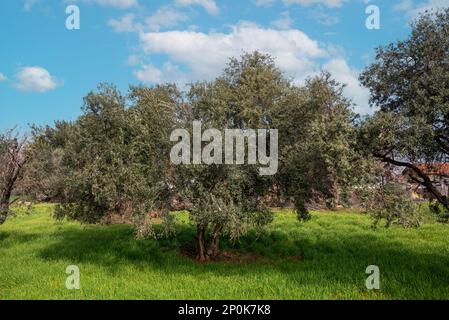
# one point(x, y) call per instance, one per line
point(46, 69)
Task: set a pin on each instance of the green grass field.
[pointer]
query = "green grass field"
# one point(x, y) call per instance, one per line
point(325, 258)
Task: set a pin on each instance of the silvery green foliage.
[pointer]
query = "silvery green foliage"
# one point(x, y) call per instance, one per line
point(409, 82)
point(226, 200)
point(318, 158)
point(316, 144)
point(114, 155)
point(115, 158)
point(391, 202)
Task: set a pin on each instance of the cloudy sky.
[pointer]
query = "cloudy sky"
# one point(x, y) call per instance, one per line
point(46, 69)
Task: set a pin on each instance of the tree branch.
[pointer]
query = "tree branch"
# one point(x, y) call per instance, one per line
point(442, 144)
point(426, 182)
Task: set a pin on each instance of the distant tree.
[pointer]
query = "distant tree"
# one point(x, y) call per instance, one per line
point(43, 176)
point(409, 82)
point(13, 156)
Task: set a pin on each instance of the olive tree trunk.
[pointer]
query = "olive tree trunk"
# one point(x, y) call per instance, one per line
point(201, 252)
point(207, 251)
point(213, 250)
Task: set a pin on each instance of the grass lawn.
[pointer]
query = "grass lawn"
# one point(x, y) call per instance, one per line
point(325, 258)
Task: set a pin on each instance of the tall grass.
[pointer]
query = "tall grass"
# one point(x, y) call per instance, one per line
point(325, 258)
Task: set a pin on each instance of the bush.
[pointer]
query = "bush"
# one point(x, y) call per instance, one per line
point(392, 203)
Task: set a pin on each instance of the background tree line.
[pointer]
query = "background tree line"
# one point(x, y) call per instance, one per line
point(114, 159)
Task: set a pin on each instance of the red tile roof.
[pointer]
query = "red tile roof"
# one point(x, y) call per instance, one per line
point(434, 169)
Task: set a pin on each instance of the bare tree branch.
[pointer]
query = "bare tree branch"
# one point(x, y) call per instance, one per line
point(13, 156)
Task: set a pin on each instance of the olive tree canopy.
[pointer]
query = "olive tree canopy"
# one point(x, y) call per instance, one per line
point(409, 83)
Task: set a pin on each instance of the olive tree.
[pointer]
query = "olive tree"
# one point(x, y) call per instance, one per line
point(42, 177)
point(316, 136)
point(227, 199)
point(409, 83)
point(114, 155)
point(117, 156)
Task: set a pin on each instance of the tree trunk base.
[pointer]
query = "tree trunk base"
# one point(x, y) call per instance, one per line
point(213, 251)
point(205, 252)
point(201, 252)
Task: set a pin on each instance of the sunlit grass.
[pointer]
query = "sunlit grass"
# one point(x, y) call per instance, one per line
point(324, 258)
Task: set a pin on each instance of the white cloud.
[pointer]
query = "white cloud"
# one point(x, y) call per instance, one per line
point(324, 18)
point(264, 3)
point(35, 79)
point(203, 56)
point(413, 8)
point(29, 4)
point(404, 5)
point(208, 5)
point(169, 73)
point(2, 77)
point(124, 24)
point(150, 74)
point(118, 3)
point(121, 4)
point(133, 60)
point(206, 53)
point(283, 22)
point(340, 70)
point(164, 17)
point(327, 3)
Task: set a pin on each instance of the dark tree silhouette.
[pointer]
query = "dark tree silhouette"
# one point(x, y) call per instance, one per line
point(13, 156)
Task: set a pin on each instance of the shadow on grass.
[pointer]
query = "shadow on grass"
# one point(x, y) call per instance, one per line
point(11, 238)
point(327, 260)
